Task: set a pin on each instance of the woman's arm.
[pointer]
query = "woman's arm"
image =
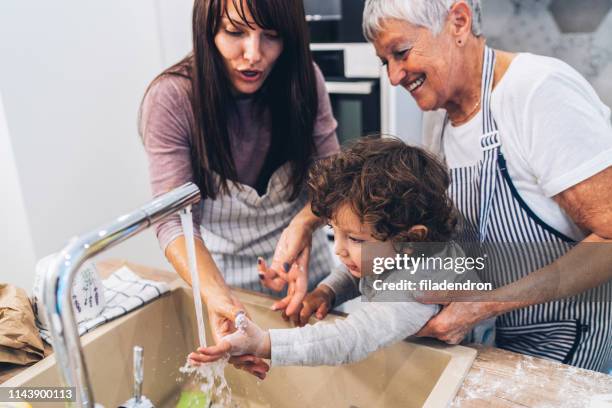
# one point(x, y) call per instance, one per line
point(176, 253)
point(165, 130)
point(586, 266)
point(221, 305)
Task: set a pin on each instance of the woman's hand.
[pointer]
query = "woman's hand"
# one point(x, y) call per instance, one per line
point(222, 309)
point(455, 321)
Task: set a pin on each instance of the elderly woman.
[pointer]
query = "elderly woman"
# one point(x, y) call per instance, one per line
point(529, 147)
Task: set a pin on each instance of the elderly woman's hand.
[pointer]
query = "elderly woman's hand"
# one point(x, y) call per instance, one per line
point(455, 321)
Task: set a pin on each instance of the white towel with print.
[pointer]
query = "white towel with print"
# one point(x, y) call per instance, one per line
point(124, 291)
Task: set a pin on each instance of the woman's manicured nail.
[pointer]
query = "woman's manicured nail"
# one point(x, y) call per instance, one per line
point(260, 260)
point(261, 276)
point(286, 267)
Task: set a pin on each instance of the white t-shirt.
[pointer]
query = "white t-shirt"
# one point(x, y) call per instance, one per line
point(554, 131)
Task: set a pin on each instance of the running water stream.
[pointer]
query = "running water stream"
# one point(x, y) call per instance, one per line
point(208, 378)
point(187, 223)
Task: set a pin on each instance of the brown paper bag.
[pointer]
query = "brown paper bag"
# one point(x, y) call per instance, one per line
point(20, 342)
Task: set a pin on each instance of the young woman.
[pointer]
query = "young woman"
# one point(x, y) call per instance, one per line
point(243, 116)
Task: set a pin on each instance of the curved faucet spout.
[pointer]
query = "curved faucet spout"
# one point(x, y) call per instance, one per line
point(57, 284)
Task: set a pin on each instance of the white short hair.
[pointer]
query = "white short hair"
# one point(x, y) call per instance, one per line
point(430, 14)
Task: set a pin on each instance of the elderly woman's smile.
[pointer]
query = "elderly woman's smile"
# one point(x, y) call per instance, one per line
point(416, 84)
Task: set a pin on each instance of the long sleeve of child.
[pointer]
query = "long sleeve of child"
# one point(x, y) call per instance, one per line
point(344, 285)
point(373, 326)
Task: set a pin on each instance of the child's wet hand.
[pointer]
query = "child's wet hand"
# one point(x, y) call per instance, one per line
point(216, 350)
point(209, 354)
point(317, 302)
point(248, 339)
point(249, 363)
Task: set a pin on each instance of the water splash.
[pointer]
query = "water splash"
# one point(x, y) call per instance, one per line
point(210, 378)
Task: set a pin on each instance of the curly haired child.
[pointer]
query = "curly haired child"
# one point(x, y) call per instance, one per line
point(379, 190)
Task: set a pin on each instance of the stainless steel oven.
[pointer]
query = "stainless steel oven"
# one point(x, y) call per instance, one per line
point(334, 21)
point(354, 88)
point(362, 98)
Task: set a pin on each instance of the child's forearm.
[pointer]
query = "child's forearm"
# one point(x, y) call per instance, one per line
point(344, 341)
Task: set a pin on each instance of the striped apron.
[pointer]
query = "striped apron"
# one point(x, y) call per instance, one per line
point(240, 226)
point(497, 220)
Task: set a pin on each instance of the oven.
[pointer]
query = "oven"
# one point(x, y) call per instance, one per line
point(334, 21)
point(353, 87)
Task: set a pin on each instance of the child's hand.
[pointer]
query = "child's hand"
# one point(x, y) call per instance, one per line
point(249, 339)
point(317, 302)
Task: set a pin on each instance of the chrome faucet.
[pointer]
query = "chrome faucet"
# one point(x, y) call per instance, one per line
point(57, 284)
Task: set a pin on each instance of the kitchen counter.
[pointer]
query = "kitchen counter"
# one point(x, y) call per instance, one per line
point(498, 378)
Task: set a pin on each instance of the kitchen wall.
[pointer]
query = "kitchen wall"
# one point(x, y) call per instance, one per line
point(578, 32)
point(72, 75)
point(17, 256)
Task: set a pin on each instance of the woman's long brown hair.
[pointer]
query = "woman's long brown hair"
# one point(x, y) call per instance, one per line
point(289, 94)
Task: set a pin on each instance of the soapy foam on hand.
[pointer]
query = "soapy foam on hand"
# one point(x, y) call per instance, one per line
point(241, 322)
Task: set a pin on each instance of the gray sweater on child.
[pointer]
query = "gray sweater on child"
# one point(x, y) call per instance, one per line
point(375, 325)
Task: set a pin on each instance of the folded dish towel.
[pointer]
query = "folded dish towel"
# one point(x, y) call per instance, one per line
point(124, 291)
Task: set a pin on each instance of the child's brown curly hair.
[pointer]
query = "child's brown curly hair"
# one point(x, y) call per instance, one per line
point(390, 185)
